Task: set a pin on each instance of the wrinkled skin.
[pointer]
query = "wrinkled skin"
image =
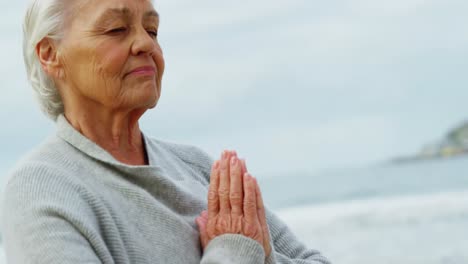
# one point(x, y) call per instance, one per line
point(93, 67)
point(235, 204)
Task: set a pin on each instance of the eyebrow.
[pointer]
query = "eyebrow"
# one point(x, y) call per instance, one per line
point(152, 13)
point(123, 12)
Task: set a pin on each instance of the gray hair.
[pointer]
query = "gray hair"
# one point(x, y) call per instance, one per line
point(44, 18)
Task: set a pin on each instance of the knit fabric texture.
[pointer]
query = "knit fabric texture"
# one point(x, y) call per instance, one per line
point(70, 201)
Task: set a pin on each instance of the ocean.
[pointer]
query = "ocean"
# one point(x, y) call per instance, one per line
point(390, 213)
point(411, 213)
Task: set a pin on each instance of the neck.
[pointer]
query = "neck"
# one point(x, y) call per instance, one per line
point(116, 131)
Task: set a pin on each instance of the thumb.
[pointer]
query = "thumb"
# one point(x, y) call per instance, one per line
point(201, 223)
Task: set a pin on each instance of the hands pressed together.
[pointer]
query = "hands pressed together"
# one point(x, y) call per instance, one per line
point(235, 204)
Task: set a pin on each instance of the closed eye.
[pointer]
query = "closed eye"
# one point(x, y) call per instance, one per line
point(116, 31)
point(153, 33)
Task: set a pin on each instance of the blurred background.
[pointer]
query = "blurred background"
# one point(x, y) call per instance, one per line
point(350, 113)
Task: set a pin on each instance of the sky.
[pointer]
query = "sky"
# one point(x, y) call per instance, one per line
point(295, 86)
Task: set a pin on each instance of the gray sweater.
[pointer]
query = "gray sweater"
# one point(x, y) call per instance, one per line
point(70, 201)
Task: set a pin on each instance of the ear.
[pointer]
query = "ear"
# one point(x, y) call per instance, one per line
point(47, 53)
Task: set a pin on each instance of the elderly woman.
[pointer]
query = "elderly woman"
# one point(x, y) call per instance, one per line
point(101, 191)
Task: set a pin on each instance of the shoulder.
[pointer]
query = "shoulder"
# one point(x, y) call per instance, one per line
point(36, 190)
point(45, 173)
point(36, 180)
point(39, 191)
point(43, 203)
point(188, 154)
point(53, 153)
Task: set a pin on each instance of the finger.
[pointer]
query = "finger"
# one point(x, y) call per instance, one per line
point(213, 199)
point(223, 190)
point(244, 167)
point(204, 214)
point(259, 199)
point(201, 224)
point(233, 153)
point(202, 230)
point(204, 217)
point(250, 203)
point(262, 217)
point(236, 195)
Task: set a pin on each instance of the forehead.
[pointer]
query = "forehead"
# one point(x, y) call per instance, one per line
point(93, 10)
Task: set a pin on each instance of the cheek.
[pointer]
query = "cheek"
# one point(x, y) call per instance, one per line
point(98, 63)
point(96, 70)
point(110, 61)
point(159, 60)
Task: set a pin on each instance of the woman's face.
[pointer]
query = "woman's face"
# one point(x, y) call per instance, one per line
point(110, 54)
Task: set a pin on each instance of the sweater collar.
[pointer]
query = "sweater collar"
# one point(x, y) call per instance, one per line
point(68, 133)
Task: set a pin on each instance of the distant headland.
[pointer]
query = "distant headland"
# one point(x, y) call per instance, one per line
point(455, 143)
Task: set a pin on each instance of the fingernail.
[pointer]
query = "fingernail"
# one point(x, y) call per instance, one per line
point(216, 165)
point(233, 160)
point(224, 154)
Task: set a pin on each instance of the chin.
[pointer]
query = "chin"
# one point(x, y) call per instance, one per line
point(153, 105)
point(150, 100)
point(143, 97)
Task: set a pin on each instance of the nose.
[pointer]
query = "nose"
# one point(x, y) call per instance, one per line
point(143, 43)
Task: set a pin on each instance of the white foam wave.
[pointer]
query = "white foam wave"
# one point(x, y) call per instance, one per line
point(387, 210)
point(416, 229)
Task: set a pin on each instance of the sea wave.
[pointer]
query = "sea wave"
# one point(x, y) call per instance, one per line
point(386, 210)
point(429, 228)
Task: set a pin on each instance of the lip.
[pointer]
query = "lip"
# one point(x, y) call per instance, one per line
point(145, 70)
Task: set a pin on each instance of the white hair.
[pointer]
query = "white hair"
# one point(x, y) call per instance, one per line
point(44, 18)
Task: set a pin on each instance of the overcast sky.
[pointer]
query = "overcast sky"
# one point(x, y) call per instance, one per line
point(294, 86)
